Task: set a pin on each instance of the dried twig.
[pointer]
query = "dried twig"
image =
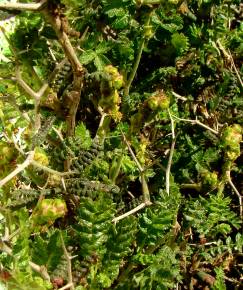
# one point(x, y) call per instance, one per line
point(177, 96)
point(35, 95)
point(29, 161)
point(132, 153)
point(146, 194)
point(236, 191)
point(229, 57)
point(196, 122)
point(78, 71)
point(5, 248)
point(167, 173)
point(236, 70)
point(130, 212)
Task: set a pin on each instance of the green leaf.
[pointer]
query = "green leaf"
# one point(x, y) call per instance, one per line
point(103, 47)
point(87, 56)
point(84, 134)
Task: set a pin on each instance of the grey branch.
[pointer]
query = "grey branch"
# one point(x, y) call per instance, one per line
point(23, 6)
point(28, 89)
point(19, 168)
point(41, 270)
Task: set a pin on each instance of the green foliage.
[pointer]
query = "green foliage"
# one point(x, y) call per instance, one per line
point(123, 233)
point(219, 284)
point(211, 216)
point(45, 245)
point(158, 220)
point(93, 223)
point(133, 111)
point(162, 271)
point(180, 43)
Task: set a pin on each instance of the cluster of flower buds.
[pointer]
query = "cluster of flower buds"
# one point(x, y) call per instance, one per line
point(230, 141)
point(48, 210)
point(110, 99)
point(157, 102)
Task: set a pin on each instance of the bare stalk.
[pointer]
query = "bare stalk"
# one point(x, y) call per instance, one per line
point(70, 53)
point(167, 173)
point(130, 212)
point(146, 194)
point(50, 170)
point(168, 168)
point(177, 96)
point(229, 57)
point(236, 191)
point(5, 248)
point(78, 70)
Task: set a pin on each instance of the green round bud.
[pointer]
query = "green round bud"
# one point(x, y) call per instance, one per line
point(7, 153)
point(118, 82)
point(210, 179)
point(148, 32)
point(153, 103)
point(231, 136)
point(111, 70)
point(41, 157)
point(48, 210)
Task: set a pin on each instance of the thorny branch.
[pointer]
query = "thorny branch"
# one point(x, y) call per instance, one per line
point(41, 270)
point(78, 70)
point(68, 286)
point(146, 194)
point(35, 95)
point(29, 161)
point(19, 168)
point(69, 263)
point(235, 69)
point(229, 57)
point(57, 24)
point(28, 89)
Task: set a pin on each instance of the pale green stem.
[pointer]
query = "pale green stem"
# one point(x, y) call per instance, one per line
point(117, 169)
point(137, 60)
point(135, 67)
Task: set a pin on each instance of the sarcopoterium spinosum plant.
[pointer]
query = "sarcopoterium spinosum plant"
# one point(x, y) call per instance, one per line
point(121, 144)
